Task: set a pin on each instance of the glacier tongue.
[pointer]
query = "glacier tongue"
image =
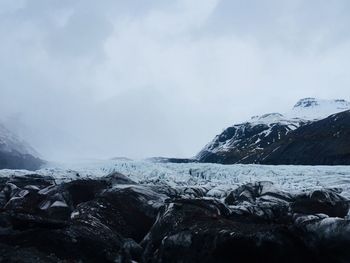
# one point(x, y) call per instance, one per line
point(215, 177)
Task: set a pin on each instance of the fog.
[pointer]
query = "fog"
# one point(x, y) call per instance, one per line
point(99, 79)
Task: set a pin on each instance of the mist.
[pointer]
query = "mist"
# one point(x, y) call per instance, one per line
point(88, 79)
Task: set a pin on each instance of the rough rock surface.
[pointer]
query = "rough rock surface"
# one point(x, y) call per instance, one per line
point(113, 219)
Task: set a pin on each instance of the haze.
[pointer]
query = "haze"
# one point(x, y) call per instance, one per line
point(98, 79)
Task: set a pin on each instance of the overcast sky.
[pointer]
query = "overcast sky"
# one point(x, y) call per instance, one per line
point(140, 78)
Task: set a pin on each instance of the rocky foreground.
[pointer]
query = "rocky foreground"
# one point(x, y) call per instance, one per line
point(114, 219)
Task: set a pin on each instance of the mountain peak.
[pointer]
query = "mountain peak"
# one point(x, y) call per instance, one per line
point(313, 102)
point(313, 108)
point(306, 102)
point(250, 142)
point(16, 153)
point(10, 142)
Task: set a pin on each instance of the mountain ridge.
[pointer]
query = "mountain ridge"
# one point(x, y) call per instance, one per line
point(15, 153)
point(249, 142)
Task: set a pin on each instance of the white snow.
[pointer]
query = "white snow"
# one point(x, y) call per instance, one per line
point(308, 109)
point(59, 204)
point(315, 109)
point(272, 118)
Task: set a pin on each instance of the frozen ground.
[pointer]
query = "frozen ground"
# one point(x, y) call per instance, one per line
point(218, 178)
point(202, 217)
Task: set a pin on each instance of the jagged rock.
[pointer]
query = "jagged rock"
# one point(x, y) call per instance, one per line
point(25, 255)
point(77, 242)
point(80, 191)
point(35, 180)
point(330, 237)
point(113, 219)
point(201, 231)
point(193, 192)
point(136, 207)
point(42, 220)
point(250, 192)
point(261, 200)
point(324, 201)
point(165, 190)
point(117, 178)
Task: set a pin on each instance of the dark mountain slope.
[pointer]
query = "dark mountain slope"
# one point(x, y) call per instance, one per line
point(15, 160)
point(324, 142)
point(246, 142)
point(309, 134)
point(15, 153)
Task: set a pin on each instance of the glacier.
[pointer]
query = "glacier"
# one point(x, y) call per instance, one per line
point(216, 178)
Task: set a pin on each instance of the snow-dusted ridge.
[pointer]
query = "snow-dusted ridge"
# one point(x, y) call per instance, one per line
point(245, 142)
point(9, 142)
point(15, 153)
point(307, 109)
point(316, 109)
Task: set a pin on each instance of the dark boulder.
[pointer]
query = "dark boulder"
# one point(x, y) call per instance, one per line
point(324, 201)
point(113, 219)
point(132, 210)
point(79, 242)
point(264, 190)
point(328, 237)
point(201, 231)
point(25, 255)
point(34, 180)
point(260, 201)
point(117, 179)
point(82, 220)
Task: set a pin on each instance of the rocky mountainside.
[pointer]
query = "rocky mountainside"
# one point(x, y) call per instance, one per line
point(325, 142)
point(15, 153)
point(170, 160)
point(258, 140)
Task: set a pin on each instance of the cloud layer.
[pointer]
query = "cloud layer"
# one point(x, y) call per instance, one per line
point(148, 78)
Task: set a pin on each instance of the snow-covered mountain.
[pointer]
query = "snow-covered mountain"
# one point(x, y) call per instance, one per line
point(247, 142)
point(9, 142)
point(16, 153)
point(324, 142)
point(316, 109)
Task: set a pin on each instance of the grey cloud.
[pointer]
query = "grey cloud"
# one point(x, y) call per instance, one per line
point(141, 78)
point(294, 24)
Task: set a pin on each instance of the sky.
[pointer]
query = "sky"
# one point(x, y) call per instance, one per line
point(99, 79)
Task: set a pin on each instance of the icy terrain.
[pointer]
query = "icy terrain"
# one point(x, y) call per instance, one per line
point(166, 212)
point(219, 179)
